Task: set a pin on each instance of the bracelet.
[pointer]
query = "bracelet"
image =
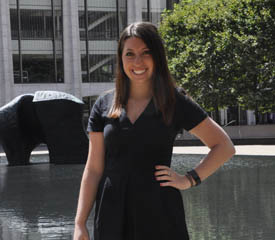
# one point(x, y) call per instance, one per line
point(190, 179)
point(195, 176)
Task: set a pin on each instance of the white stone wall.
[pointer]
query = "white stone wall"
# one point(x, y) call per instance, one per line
point(6, 83)
point(242, 132)
point(251, 120)
point(72, 73)
point(134, 11)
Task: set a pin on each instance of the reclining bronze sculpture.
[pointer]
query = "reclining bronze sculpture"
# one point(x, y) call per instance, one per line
point(50, 117)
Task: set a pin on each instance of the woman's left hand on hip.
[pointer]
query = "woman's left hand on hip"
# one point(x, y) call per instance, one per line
point(171, 178)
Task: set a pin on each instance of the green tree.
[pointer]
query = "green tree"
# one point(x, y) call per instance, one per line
point(223, 52)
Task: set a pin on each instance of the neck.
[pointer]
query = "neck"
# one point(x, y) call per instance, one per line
point(140, 91)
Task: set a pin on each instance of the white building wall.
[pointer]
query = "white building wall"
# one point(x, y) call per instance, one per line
point(251, 120)
point(72, 73)
point(99, 5)
point(28, 4)
point(134, 11)
point(95, 89)
point(6, 76)
point(241, 132)
point(223, 114)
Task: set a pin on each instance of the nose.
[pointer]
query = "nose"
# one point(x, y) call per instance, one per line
point(138, 60)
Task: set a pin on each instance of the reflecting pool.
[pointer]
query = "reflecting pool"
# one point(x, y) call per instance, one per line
point(236, 203)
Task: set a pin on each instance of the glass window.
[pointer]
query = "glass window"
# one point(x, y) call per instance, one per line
point(236, 116)
point(152, 9)
point(266, 118)
point(58, 41)
point(39, 68)
point(88, 104)
point(102, 67)
point(99, 24)
point(36, 24)
point(14, 36)
point(14, 24)
point(146, 10)
point(37, 41)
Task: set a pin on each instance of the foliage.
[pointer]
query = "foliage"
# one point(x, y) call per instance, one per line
point(223, 51)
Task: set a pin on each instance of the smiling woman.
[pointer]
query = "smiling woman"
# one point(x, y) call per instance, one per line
point(132, 130)
point(140, 48)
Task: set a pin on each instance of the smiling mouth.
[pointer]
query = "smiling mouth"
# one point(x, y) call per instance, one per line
point(139, 72)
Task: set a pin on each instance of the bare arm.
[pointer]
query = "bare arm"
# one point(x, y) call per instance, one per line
point(91, 177)
point(221, 149)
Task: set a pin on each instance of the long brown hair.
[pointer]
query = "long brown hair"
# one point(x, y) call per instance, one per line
point(163, 84)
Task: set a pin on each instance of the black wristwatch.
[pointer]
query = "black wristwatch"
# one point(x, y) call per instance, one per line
point(195, 176)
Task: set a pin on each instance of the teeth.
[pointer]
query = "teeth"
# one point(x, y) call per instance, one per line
point(139, 72)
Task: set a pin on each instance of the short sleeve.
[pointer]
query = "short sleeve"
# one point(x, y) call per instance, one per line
point(95, 122)
point(188, 113)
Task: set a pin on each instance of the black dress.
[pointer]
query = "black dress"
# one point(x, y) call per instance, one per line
point(130, 203)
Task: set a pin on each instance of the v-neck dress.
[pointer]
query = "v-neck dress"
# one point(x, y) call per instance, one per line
point(130, 203)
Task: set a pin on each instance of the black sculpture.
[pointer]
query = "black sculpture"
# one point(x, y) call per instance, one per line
point(50, 117)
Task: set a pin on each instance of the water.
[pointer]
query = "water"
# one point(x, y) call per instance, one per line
point(236, 203)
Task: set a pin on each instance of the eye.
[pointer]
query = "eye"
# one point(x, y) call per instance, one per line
point(129, 54)
point(147, 52)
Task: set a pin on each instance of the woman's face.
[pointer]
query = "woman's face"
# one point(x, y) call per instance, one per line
point(138, 63)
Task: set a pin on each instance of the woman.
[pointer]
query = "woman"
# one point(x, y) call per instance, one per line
point(131, 131)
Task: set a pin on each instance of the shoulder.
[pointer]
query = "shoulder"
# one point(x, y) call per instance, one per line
point(105, 99)
point(107, 95)
point(186, 102)
point(180, 91)
point(182, 97)
point(188, 113)
point(99, 112)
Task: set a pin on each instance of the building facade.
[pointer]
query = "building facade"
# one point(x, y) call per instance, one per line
point(65, 45)
point(70, 46)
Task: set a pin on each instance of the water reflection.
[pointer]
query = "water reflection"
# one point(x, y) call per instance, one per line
point(237, 203)
point(39, 201)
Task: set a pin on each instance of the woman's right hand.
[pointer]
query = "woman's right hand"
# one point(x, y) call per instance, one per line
point(81, 232)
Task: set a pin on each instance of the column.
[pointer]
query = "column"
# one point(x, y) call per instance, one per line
point(223, 119)
point(134, 11)
point(251, 120)
point(6, 75)
point(72, 64)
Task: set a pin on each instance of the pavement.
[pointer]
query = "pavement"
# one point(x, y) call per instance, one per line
point(248, 150)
